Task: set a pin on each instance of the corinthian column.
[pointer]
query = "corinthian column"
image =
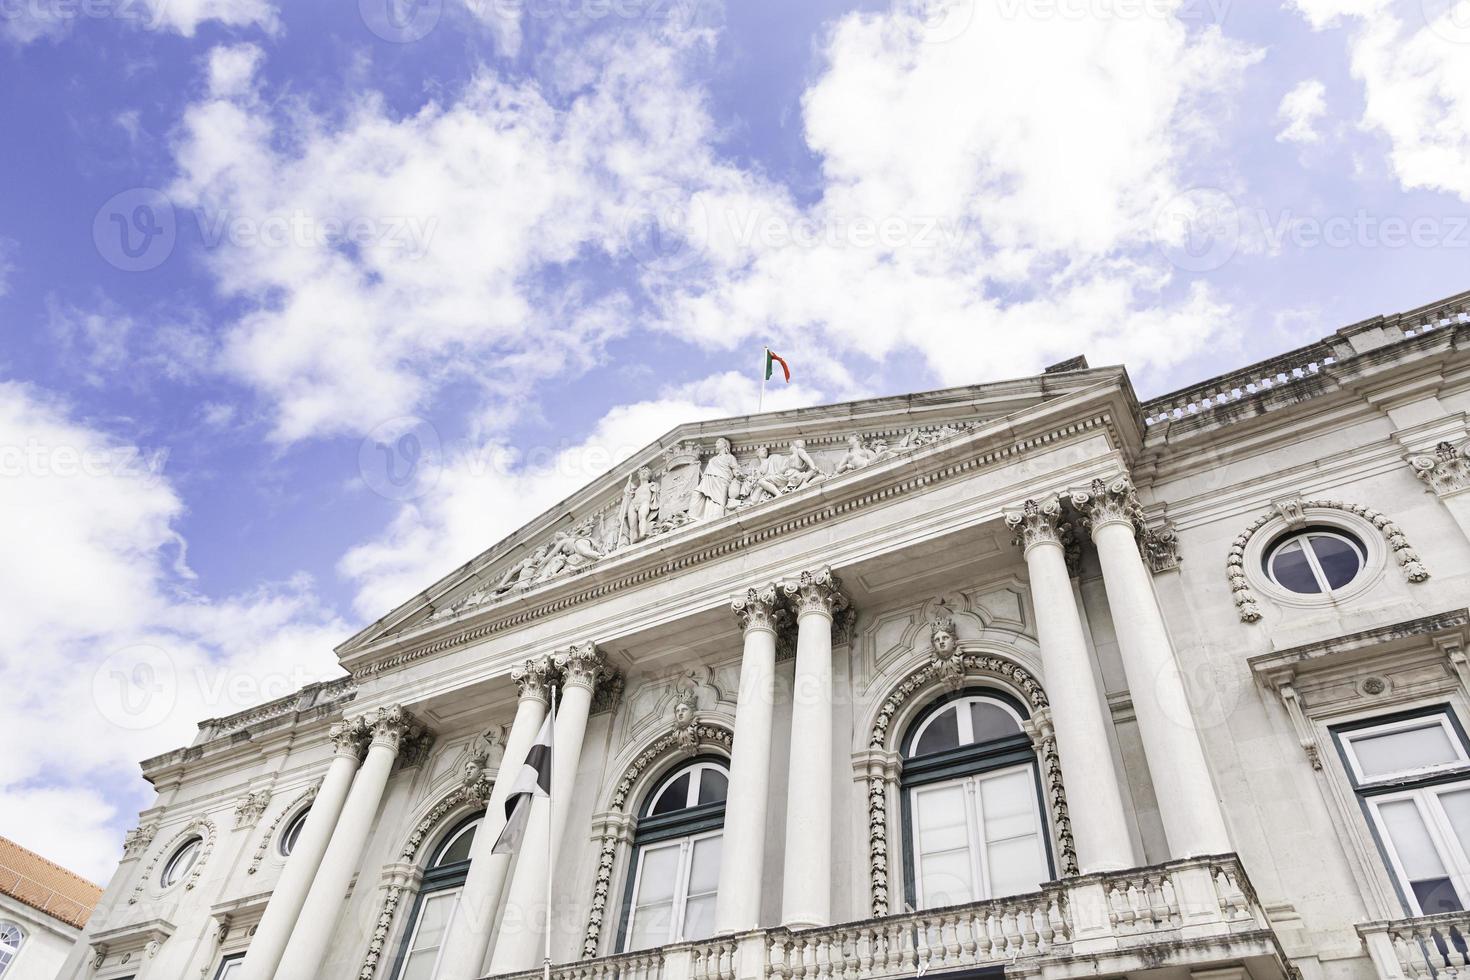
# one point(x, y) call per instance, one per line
point(291, 889)
point(1098, 824)
point(468, 941)
point(1187, 801)
point(743, 850)
point(520, 944)
point(302, 959)
point(806, 896)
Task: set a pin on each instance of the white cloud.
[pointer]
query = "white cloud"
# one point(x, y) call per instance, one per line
point(52, 20)
point(110, 654)
point(1300, 111)
point(1413, 59)
point(486, 492)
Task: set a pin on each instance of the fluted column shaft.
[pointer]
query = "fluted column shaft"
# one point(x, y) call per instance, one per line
point(302, 959)
point(521, 942)
point(468, 941)
point(1188, 804)
point(806, 896)
point(743, 849)
point(1099, 826)
point(284, 908)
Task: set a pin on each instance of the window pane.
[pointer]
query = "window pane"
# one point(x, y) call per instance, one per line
point(1436, 895)
point(1411, 840)
point(991, 722)
point(712, 786)
point(945, 868)
point(1456, 803)
point(458, 849)
point(650, 926)
point(674, 796)
point(1338, 559)
point(699, 918)
point(943, 733)
point(659, 875)
point(1012, 833)
point(419, 966)
point(1290, 569)
point(704, 866)
point(1401, 751)
point(434, 920)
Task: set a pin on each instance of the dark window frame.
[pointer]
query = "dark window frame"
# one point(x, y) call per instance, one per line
point(434, 880)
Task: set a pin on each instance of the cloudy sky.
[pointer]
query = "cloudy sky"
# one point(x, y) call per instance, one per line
point(303, 305)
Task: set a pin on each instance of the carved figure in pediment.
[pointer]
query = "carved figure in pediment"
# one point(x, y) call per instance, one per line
point(570, 551)
point(801, 469)
point(856, 457)
point(713, 497)
point(522, 574)
point(767, 476)
point(639, 511)
point(676, 496)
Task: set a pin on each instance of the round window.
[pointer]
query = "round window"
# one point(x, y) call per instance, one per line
point(292, 832)
point(1315, 561)
point(181, 863)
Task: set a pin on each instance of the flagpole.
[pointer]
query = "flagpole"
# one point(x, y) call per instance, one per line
point(765, 363)
point(550, 850)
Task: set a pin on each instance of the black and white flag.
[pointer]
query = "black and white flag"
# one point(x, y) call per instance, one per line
point(534, 780)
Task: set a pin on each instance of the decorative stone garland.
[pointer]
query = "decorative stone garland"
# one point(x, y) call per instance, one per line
point(459, 796)
point(707, 735)
point(933, 671)
point(200, 827)
point(270, 832)
point(1245, 599)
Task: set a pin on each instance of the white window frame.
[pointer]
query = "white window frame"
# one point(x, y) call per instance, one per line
point(287, 843)
point(448, 842)
point(197, 845)
point(223, 972)
point(696, 776)
point(966, 724)
point(12, 951)
point(1441, 834)
point(681, 883)
point(979, 860)
point(1304, 538)
point(1346, 739)
point(418, 921)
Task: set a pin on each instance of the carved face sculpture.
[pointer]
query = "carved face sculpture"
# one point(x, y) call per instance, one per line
point(762, 453)
point(644, 474)
point(853, 442)
point(684, 712)
point(473, 769)
point(944, 639)
point(722, 447)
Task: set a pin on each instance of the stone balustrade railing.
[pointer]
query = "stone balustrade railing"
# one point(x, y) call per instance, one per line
point(1191, 906)
point(1428, 946)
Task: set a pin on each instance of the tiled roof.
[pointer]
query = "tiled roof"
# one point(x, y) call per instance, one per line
point(50, 888)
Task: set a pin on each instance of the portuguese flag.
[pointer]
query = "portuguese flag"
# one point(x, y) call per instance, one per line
point(772, 359)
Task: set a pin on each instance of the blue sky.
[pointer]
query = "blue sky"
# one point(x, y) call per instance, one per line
point(304, 305)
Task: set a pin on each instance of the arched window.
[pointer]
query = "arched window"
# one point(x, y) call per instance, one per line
point(972, 807)
point(292, 833)
point(11, 937)
point(676, 857)
point(181, 863)
point(433, 911)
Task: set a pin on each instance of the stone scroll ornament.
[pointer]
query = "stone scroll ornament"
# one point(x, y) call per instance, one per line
point(939, 669)
point(1246, 603)
point(692, 484)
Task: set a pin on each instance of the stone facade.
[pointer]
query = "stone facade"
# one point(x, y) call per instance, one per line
point(790, 593)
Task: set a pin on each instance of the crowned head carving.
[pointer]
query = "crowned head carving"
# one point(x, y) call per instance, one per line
point(944, 637)
point(686, 720)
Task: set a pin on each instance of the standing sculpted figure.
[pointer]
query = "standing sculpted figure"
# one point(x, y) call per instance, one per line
point(639, 508)
point(713, 496)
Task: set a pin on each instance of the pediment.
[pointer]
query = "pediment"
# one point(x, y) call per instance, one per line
point(703, 474)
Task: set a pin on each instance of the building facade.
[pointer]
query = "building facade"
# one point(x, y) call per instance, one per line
point(1026, 677)
point(43, 909)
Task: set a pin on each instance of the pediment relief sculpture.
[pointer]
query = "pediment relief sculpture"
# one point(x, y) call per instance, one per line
point(690, 485)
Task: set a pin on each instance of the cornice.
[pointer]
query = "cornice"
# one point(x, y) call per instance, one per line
point(1453, 625)
point(986, 447)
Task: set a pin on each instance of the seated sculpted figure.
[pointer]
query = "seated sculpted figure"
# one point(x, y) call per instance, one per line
point(856, 457)
point(801, 469)
point(767, 476)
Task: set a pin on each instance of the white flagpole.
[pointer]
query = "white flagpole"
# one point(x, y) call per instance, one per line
point(765, 363)
point(550, 848)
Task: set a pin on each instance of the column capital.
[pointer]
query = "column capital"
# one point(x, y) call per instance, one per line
point(1445, 470)
point(533, 679)
point(1105, 502)
point(816, 592)
point(759, 608)
point(581, 665)
point(349, 736)
point(391, 725)
point(1042, 521)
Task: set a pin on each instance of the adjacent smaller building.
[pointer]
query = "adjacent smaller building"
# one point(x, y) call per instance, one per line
point(43, 909)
